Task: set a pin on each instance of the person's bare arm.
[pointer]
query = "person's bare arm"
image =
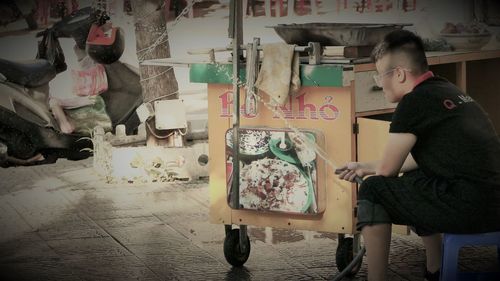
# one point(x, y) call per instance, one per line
point(396, 153)
point(396, 159)
point(409, 164)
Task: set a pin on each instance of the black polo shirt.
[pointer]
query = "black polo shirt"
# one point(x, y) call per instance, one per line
point(455, 137)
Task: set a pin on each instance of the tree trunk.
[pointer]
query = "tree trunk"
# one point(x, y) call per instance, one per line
point(157, 82)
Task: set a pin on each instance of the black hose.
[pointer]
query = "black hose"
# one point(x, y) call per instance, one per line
point(358, 257)
point(358, 180)
point(350, 266)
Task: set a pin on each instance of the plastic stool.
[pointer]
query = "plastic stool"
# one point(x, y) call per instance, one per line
point(451, 247)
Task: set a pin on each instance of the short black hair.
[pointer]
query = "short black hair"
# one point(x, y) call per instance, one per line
point(406, 42)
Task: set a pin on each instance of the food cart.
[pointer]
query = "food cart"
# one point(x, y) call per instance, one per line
point(287, 154)
point(285, 182)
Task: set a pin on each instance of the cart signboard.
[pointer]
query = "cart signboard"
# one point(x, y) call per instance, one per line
point(278, 171)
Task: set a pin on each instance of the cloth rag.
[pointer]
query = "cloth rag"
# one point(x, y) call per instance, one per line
point(279, 75)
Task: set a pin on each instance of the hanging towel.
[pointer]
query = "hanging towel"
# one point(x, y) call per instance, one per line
point(279, 75)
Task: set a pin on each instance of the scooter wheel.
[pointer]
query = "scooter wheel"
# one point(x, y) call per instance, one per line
point(18, 144)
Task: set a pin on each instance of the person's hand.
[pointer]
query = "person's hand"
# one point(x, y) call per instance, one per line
point(350, 170)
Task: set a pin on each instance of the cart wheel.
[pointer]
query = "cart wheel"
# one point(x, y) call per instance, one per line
point(232, 251)
point(345, 255)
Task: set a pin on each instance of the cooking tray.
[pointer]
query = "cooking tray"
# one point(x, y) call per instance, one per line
point(335, 34)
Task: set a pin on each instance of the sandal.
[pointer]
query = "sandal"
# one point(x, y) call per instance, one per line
point(432, 276)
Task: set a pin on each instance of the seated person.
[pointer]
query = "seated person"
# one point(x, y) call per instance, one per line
point(448, 150)
point(87, 81)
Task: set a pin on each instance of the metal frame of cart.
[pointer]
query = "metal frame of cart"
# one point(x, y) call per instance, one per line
point(326, 109)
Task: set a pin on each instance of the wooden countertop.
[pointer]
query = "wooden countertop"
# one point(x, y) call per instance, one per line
point(434, 58)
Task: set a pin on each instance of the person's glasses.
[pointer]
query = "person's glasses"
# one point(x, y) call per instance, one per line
point(379, 77)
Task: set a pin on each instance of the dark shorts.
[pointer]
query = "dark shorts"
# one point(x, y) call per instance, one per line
point(429, 205)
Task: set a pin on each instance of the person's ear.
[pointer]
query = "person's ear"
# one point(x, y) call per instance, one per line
point(400, 75)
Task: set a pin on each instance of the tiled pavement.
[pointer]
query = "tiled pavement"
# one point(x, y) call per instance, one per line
point(61, 222)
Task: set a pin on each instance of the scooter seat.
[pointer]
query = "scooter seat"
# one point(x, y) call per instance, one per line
point(31, 73)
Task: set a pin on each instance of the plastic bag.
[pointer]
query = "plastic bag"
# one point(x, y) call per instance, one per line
point(50, 49)
point(88, 117)
point(90, 79)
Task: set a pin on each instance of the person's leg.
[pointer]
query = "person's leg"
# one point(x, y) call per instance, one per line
point(166, 9)
point(412, 199)
point(433, 251)
point(43, 7)
point(60, 116)
point(302, 7)
point(69, 7)
point(191, 10)
point(74, 5)
point(252, 7)
point(268, 4)
point(291, 8)
point(375, 224)
point(245, 8)
point(377, 240)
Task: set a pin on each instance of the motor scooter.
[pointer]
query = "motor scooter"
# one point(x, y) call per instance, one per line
point(29, 134)
point(13, 10)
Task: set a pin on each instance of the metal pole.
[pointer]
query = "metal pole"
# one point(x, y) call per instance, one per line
point(236, 27)
point(236, 33)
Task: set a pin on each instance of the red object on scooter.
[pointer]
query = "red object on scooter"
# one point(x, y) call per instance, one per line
point(105, 44)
